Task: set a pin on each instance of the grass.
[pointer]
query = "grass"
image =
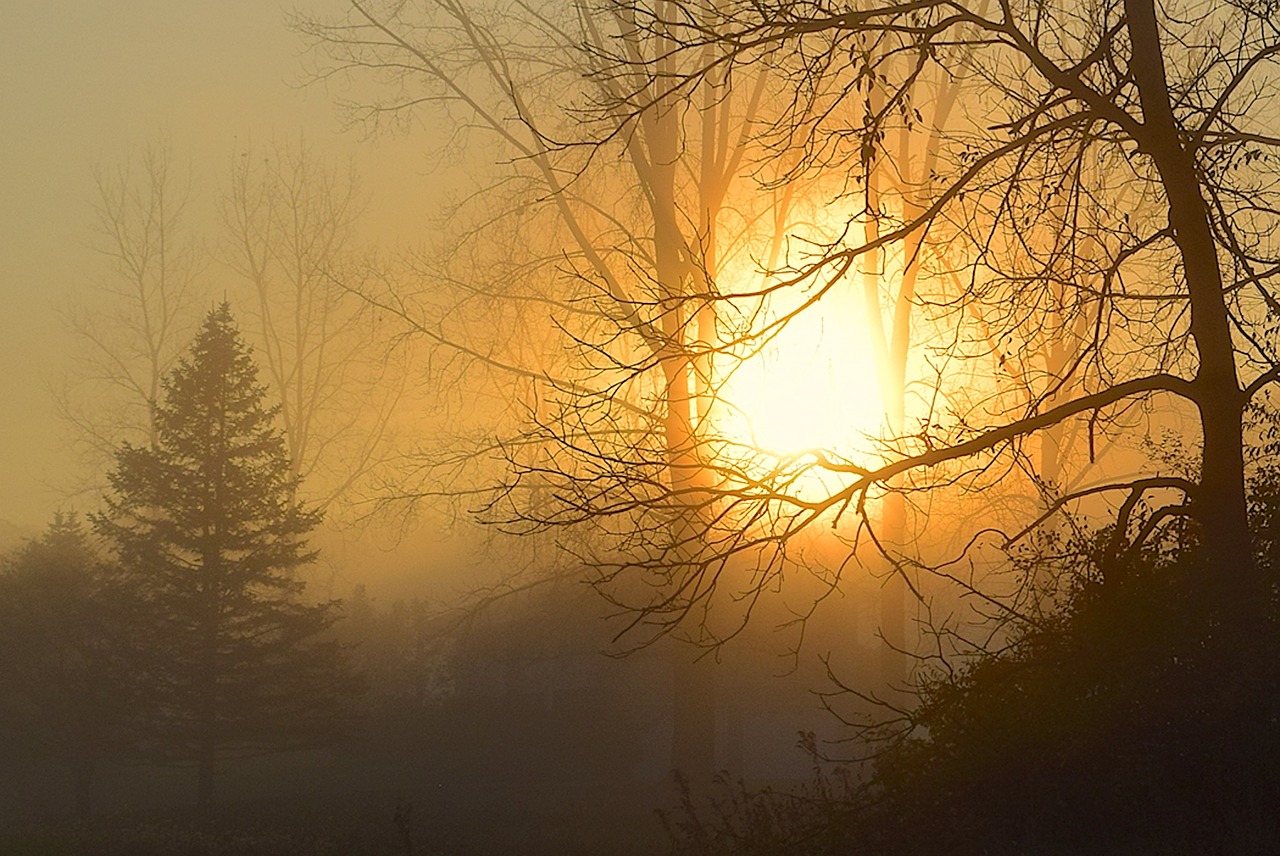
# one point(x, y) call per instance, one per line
point(554, 820)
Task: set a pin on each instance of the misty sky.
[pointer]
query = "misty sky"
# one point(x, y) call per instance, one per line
point(91, 81)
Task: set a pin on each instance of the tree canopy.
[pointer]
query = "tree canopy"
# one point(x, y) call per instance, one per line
point(73, 677)
point(208, 520)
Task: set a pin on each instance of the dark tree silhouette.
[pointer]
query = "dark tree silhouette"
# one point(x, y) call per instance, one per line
point(1119, 153)
point(70, 685)
point(206, 518)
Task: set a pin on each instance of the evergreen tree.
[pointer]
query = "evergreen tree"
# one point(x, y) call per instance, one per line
point(207, 516)
point(71, 686)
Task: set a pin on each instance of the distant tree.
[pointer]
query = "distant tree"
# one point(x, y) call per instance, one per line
point(288, 231)
point(582, 289)
point(71, 685)
point(206, 517)
point(131, 324)
point(289, 223)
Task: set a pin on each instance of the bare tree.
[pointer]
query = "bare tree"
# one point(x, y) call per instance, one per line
point(606, 325)
point(1111, 187)
point(290, 223)
point(1105, 196)
point(135, 322)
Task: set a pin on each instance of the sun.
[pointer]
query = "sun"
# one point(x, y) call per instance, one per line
point(813, 386)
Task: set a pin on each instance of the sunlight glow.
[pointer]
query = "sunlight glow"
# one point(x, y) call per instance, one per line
point(814, 386)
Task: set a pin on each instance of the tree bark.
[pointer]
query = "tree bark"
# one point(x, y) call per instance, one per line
point(1220, 506)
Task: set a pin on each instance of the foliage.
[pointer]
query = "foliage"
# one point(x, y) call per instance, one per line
point(72, 678)
point(1133, 716)
point(1131, 719)
point(737, 820)
point(207, 519)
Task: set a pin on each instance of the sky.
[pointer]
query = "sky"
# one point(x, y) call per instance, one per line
point(87, 82)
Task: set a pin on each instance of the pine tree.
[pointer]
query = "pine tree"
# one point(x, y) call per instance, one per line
point(71, 689)
point(209, 519)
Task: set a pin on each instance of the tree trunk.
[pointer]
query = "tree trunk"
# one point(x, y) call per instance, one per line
point(1220, 504)
point(693, 703)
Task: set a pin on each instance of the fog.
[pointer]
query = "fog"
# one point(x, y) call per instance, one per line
point(638, 427)
point(91, 88)
point(88, 84)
